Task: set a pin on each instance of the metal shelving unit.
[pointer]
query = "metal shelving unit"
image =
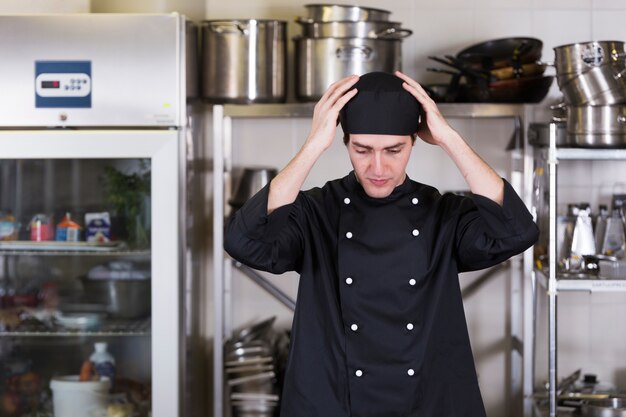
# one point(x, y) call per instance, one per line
point(550, 279)
point(223, 116)
point(108, 328)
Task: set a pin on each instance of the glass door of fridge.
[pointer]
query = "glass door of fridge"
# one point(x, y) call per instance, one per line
point(90, 243)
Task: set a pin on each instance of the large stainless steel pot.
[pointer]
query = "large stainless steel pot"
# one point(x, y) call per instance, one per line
point(579, 57)
point(338, 12)
point(596, 86)
point(361, 29)
point(322, 61)
point(597, 126)
point(244, 61)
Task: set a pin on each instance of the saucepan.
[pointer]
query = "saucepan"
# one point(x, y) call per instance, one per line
point(516, 90)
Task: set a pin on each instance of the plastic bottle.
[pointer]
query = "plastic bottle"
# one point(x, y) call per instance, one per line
point(583, 242)
point(103, 361)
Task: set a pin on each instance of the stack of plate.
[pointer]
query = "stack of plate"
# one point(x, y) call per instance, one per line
point(251, 371)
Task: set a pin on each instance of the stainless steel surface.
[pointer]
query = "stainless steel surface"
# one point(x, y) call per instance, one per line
point(191, 60)
point(597, 126)
point(322, 61)
point(580, 57)
point(244, 61)
point(331, 12)
point(136, 68)
point(552, 282)
point(359, 29)
point(596, 86)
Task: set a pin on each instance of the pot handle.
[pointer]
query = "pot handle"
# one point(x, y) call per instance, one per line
point(621, 119)
point(559, 106)
point(234, 27)
point(349, 52)
point(393, 33)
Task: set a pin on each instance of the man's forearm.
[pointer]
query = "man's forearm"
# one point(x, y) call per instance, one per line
point(285, 187)
point(480, 177)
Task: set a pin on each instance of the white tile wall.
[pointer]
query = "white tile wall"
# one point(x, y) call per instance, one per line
point(587, 335)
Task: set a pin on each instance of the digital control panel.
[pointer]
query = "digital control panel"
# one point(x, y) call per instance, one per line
point(62, 84)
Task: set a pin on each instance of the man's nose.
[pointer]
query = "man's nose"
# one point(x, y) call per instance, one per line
point(378, 163)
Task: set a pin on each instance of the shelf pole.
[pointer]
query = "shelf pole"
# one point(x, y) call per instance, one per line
point(218, 256)
point(552, 284)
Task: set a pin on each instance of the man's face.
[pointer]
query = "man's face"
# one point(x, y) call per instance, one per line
point(379, 161)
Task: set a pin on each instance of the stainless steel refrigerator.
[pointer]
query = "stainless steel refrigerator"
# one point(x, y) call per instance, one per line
point(94, 130)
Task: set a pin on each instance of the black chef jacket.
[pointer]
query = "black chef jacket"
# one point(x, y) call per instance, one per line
point(379, 328)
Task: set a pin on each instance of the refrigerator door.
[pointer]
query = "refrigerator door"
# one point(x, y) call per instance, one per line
point(92, 70)
point(66, 168)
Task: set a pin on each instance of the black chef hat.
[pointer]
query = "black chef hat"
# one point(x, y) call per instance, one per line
point(381, 106)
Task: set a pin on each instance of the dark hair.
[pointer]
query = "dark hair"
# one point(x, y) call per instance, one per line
point(346, 138)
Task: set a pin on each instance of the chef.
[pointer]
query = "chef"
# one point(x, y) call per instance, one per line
point(379, 328)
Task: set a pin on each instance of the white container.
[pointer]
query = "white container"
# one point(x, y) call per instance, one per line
point(73, 398)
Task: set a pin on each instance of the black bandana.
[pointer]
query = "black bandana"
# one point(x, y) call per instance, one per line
point(381, 106)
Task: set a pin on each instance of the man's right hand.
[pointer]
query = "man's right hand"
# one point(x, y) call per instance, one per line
point(326, 113)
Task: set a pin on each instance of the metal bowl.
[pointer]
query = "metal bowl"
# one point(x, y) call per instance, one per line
point(123, 298)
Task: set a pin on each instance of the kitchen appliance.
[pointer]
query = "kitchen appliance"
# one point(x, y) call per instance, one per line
point(596, 126)
point(244, 61)
point(591, 73)
point(338, 41)
point(322, 61)
point(93, 118)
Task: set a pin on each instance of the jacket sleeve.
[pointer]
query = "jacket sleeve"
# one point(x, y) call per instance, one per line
point(272, 243)
point(488, 233)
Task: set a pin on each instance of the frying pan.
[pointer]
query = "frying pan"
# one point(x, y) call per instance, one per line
point(500, 53)
point(516, 90)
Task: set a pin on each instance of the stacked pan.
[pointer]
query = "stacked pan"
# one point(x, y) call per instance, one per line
point(250, 371)
point(592, 78)
point(340, 40)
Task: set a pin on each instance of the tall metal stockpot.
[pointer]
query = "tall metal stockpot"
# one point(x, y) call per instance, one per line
point(597, 126)
point(244, 61)
point(579, 57)
point(322, 61)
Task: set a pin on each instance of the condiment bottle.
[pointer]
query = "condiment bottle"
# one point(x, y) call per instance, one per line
point(68, 230)
point(103, 361)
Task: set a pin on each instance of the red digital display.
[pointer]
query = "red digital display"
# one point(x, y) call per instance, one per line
point(50, 84)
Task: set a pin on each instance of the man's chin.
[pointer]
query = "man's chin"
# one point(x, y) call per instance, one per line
point(378, 192)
